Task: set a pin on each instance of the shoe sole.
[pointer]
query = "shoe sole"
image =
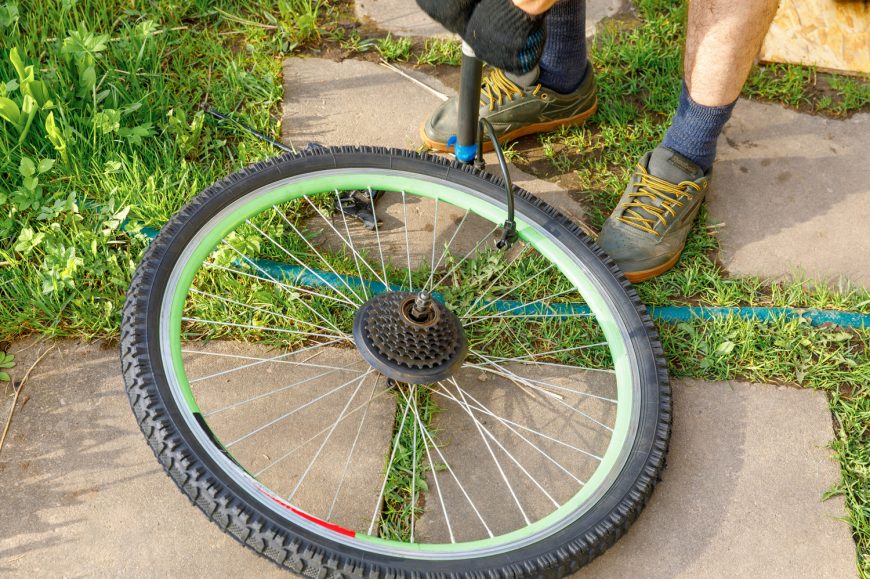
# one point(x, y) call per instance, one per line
point(515, 134)
point(645, 274)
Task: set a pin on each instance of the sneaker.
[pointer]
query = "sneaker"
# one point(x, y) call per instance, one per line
point(647, 231)
point(514, 110)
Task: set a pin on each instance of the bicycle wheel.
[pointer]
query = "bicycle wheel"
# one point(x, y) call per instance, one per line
point(401, 400)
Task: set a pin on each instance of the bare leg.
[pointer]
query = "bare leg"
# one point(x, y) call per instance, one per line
point(722, 42)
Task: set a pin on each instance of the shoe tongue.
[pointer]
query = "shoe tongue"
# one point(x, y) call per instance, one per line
point(672, 166)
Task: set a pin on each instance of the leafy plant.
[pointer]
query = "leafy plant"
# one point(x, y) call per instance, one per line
point(187, 134)
point(29, 195)
point(440, 51)
point(33, 93)
point(394, 48)
point(7, 361)
point(9, 15)
point(83, 48)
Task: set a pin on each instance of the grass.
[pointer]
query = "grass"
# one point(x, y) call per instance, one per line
point(101, 123)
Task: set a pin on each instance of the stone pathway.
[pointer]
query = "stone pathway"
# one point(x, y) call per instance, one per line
point(84, 496)
point(791, 191)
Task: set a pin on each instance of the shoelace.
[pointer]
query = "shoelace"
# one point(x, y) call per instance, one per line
point(653, 188)
point(497, 88)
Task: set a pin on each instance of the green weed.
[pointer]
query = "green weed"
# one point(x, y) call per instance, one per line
point(393, 49)
point(440, 51)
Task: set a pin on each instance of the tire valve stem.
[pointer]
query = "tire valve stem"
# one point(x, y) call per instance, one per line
point(422, 307)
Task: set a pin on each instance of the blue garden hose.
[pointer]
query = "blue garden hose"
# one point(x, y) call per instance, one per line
point(671, 314)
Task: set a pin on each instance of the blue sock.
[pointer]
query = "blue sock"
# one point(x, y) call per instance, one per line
point(695, 129)
point(563, 63)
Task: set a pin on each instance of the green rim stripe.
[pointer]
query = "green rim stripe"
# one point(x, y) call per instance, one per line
point(337, 180)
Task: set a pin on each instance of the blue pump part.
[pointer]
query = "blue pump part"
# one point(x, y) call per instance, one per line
point(466, 154)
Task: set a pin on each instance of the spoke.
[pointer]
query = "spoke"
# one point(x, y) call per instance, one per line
point(510, 291)
point(378, 236)
point(527, 429)
point(419, 422)
point(553, 364)
point(495, 279)
point(552, 396)
point(271, 392)
point(292, 412)
point(315, 312)
point(461, 261)
point(276, 359)
point(317, 435)
point(259, 309)
point(352, 447)
point(414, 466)
point(426, 434)
point(314, 249)
point(328, 436)
point(407, 243)
point(253, 327)
point(389, 465)
point(505, 313)
point(530, 316)
point(507, 425)
point(434, 238)
point(464, 405)
point(494, 459)
point(572, 349)
point(300, 262)
point(353, 252)
point(452, 237)
point(544, 384)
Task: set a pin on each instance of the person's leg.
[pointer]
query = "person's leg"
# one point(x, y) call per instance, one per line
point(722, 41)
point(563, 63)
point(647, 231)
point(558, 92)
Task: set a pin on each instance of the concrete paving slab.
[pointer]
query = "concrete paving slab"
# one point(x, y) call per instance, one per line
point(405, 18)
point(84, 496)
point(741, 496)
point(789, 188)
point(400, 18)
point(82, 493)
point(356, 102)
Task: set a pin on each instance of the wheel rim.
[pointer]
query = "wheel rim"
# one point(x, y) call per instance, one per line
point(339, 283)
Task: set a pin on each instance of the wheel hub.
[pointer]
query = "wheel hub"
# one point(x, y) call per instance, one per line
point(410, 337)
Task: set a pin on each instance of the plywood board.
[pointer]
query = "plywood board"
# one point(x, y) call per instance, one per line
point(829, 34)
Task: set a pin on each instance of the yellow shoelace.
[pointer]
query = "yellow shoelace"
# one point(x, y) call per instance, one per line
point(653, 188)
point(497, 88)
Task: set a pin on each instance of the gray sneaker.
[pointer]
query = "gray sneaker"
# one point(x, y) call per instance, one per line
point(647, 231)
point(515, 109)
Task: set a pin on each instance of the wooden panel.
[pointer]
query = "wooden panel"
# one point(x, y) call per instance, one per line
point(829, 34)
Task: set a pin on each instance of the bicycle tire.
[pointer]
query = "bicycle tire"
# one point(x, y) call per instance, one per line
point(293, 546)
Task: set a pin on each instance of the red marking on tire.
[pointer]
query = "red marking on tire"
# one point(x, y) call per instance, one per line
point(312, 518)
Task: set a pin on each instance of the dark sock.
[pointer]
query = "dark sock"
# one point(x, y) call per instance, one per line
point(563, 63)
point(695, 129)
